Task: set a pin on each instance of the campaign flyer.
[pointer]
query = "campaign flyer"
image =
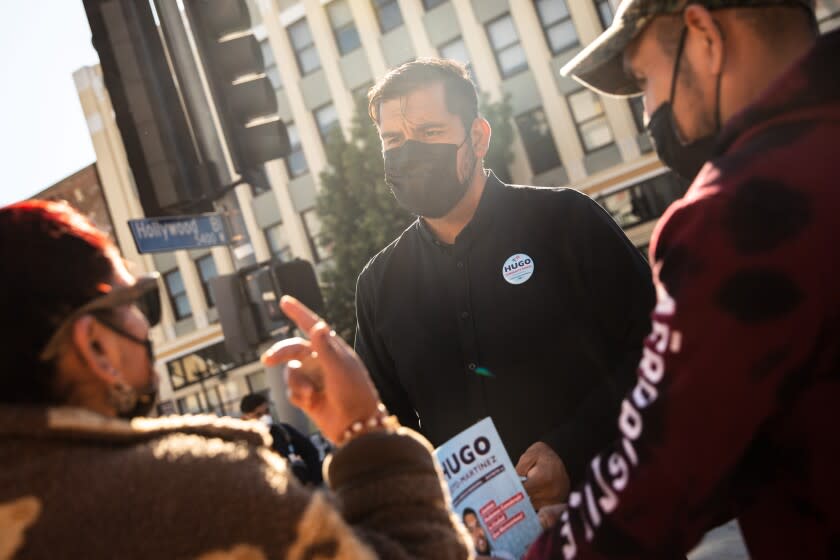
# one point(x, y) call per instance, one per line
point(487, 494)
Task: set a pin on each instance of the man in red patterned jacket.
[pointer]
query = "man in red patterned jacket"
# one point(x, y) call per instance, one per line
point(735, 408)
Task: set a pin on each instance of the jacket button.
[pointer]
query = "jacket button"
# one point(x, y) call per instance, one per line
point(460, 264)
point(472, 366)
point(465, 314)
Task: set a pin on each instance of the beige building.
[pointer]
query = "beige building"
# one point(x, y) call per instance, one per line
point(320, 54)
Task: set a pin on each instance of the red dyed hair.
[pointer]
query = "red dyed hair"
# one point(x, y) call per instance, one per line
point(52, 260)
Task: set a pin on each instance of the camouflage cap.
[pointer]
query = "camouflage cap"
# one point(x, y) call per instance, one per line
point(600, 65)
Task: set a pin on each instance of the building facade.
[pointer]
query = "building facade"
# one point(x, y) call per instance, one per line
point(83, 191)
point(320, 55)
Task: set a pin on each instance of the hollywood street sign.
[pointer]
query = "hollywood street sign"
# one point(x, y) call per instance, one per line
point(156, 235)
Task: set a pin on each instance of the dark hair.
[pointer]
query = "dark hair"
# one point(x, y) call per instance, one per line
point(251, 402)
point(54, 259)
point(468, 511)
point(459, 90)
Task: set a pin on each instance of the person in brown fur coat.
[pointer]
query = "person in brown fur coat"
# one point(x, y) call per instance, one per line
point(85, 475)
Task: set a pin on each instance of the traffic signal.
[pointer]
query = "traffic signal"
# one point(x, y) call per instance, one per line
point(248, 301)
point(235, 314)
point(245, 99)
point(297, 278)
point(148, 111)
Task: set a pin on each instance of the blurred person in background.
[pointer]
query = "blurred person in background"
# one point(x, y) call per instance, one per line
point(286, 440)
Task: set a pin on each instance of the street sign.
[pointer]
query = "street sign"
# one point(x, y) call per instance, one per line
point(156, 235)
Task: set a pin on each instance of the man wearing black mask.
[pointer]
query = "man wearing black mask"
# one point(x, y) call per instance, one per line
point(739, 382)
point(525, 304)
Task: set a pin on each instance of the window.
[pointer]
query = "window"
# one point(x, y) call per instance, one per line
point(312, 225)
point(457, 50)
point(429, 4)
point(327, 119)
point(557, 25)
point(539, 144)
point(295, 162)
point(165, 408)
point(388, 14)
point(591, 122)
point(206, 270)
point(605, 12)
point(202, 364)
point(341, 19)
point(278, 245)
point(637, 106)
point(304, 47)
point(177, 294)
point(271, 71)
point(257, 382)
point(505, 42)
point(643, 202)
point(258, 180)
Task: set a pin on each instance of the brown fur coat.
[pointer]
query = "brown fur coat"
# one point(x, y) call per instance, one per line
point(74, 484)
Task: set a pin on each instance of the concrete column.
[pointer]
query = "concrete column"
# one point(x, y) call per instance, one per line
point(310, 139)
point(284, 54)
point(588, 25)
point(487, 73)
point(115, 174)
point(292, 222)
point(258, 242)
point(412, 12)
point(478, 45)
point(222, 260)
point(368, 27)
point(623, 126)
point(557, 111)
point(322, 33)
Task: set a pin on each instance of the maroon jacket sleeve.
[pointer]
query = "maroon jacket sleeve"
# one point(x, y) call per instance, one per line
point(712, 370)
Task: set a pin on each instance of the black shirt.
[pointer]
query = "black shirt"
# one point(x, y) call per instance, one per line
point(549, 356)
point(299, 451)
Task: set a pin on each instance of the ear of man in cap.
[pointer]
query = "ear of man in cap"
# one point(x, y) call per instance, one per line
point(600, 65)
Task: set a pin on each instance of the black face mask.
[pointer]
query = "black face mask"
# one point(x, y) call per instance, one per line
point(685, 159)
point(424, 177)
point(144, 399)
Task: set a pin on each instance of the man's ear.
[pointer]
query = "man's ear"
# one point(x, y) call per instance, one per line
point(480, 136)
point(93, 344)
point(705, 39)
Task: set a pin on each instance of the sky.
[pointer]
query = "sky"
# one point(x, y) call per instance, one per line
point(43, 134)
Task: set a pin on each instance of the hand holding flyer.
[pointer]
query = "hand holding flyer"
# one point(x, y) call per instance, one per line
point(487, 493)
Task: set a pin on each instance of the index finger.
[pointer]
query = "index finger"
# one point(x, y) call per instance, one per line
point(302, 316)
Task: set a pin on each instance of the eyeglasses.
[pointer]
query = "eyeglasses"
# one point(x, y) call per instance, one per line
point(143, 293)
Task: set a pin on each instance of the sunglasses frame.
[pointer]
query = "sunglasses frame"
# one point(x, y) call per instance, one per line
point(117, 296)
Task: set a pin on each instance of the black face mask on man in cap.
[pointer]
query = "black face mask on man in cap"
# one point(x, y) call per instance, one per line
point(685, 159)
